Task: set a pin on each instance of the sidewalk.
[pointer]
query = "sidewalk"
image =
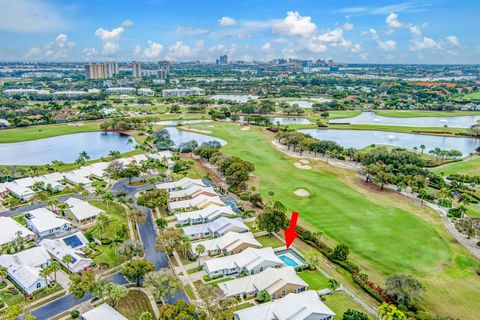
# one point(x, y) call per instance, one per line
point(183, 275)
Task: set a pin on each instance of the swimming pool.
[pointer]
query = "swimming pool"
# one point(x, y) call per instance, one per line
point(288, 261)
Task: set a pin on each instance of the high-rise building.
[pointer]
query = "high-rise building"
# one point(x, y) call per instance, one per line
point(137, 70)
point(222, 60)
point(101, 70)
point(163, 69)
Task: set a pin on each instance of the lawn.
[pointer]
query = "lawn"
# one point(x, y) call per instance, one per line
point(253, 226)
point(316, 281)
point(134, 304)
point(270, 241)
point(339, 303)
point(421, 113)
point(189, 292)
point(470, 166)
point(383, 230)
point(46, 131)
point(242, 306)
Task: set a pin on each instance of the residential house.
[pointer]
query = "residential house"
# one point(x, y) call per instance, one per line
point(183, 183)
point(102, 312)
point(230, 243)
point(300, 306)
point(11, 230)
point(46, 223)
point(277, 282)
point(215, 228)
point(19, 190)
point(251, 261)
point(71, 245)
point(82, 210)
point(190, 193)
point(77, 178)
point(199, 202)
point(24, 268)
point(204, 215)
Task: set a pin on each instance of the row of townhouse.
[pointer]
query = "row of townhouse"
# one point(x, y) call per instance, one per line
point(84, 176)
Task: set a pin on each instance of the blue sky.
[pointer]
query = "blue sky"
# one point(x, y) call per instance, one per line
point(437, 31)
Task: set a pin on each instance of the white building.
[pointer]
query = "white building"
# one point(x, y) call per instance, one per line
point(276, 282)
point(176, 93)
point(300, 306)
point(121, 90)
point(82, 210)
point(24, 92)
point(230, 243)
point(11, 230)
point(199, 202)
point(190, 193)
point(183, 183)
point(216, 228)
point(46, 223)
point(102, 312)
point(204, 215)
point(145, 92)
point(71, 245)
point(70, 93)
point(24, 268)
point(251, 260)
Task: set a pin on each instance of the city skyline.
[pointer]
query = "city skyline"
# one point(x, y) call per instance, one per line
point(150, 30)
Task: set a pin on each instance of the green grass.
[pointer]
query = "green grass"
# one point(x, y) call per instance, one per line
point(242, 306)
point(386, 233)
point(421, 113)
point(339, 303)
point(470, 166)
point(134, 304)
point(216, 282)
point(46, 131)
point(189, 292)
point(253, 226)
point(316, 281)
point(11, 299)
point(270, 241)
point(471, 96)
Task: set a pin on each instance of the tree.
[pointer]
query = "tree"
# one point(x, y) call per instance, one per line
point(333, 284)
point(110, 292)
point(156, 198)
point(200, 249)
point(179, 310)
point(273, 218)
point(102, 221)
point(312, 258)
point(404, 290)
point(263, 296)
point(136, 216)
point(67, 259)
point(121, 232)
point(135, 270)
point(3, 274)
point(163, 284)
point(55, 267)
point(108, 197)
point(161, 223)
point(130, 249)
point(45, 272)
point(340, 252)
point(354, 315)
point(215, 304)
point(145, 316)
point(464, 199)
point(81, 284)
point(168, 240)
point(12, 312)
point(390, 312)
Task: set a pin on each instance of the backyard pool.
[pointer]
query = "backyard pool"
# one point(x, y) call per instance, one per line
point(290, 257)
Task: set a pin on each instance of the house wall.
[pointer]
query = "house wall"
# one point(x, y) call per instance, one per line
point(263, 266)
point(286, 289)
point(242, 247)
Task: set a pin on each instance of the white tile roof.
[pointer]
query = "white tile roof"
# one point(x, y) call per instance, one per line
point(191, 192)
point(228, 242)
point(220, 225)
point(209, 213)
point(183, 183)
point(82, 209)
point(248, 259)
point(200, 201)
point(9, 229)
point(43, 220)
point(103, 312)
point(59, 249)
point(299, 306)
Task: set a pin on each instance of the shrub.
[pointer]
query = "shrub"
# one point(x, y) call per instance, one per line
point(106, 241)
point(2, 304)
point(245, 196)
point(75, 314)
point(446, 203)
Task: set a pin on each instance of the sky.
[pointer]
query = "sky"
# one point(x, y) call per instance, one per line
point(352, 31)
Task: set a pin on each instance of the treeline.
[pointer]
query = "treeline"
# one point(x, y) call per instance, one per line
point(235, 170)
point(123, 123)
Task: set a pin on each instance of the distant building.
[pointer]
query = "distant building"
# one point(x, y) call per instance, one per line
point(145, 92)
point(175, 93)
point(222, 60)
point(137, 70)
point(163, 69)
point(101, 70)
point(121, 90)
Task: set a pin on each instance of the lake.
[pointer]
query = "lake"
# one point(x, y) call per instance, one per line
point(180, 136)
point(283, 120)
point(372, 118)
point(360, 139)
point(63, 148)
point(234, 97)
point(173, 123)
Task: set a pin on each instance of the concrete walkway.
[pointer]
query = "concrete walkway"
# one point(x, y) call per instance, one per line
point(184, 276)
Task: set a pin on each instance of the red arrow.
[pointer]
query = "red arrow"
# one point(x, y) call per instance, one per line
point(291, 233)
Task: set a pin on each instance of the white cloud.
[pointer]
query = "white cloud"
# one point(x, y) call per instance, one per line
point(423, 43)
point(357, 48)
point(267, 47)
point(415, 30)
point(453, 40)
point(347, 26)
point(110, 40)
point(294, 25)
point(280, 40)
point(181, 51)
point(333, 36)
point(34, 53)
point(90, 52)
point(392, 23)
point(153, 51)
point(189, 31)
point(127, 24)
point(363, 56)
point(28, 16)
point(59, 48)
point(399, 7)
point(227, 21)
point(388, 45)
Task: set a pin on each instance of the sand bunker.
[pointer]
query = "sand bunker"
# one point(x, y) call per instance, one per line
point(304, 161)
point(301, 193)
point(302, 166)
point(245, 128)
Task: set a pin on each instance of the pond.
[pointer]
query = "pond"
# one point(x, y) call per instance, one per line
point(173, 123)
point(234, 97)
point(360, 139)
point(180, 136)
point(309, 104)
point(63, 148)
point(372, 118)
point(284, 120)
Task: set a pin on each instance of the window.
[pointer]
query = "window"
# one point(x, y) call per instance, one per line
point(38, 285)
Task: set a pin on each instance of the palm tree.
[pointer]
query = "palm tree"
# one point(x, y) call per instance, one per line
point(67, 260)
point(108, 197)
point(464, 199)
point(422, 146)
point(62, 207)
point(54, 267)
point(200, 250)
point(45, 272)
point(53, 204)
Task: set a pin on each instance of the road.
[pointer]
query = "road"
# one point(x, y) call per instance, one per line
point(147, 235)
